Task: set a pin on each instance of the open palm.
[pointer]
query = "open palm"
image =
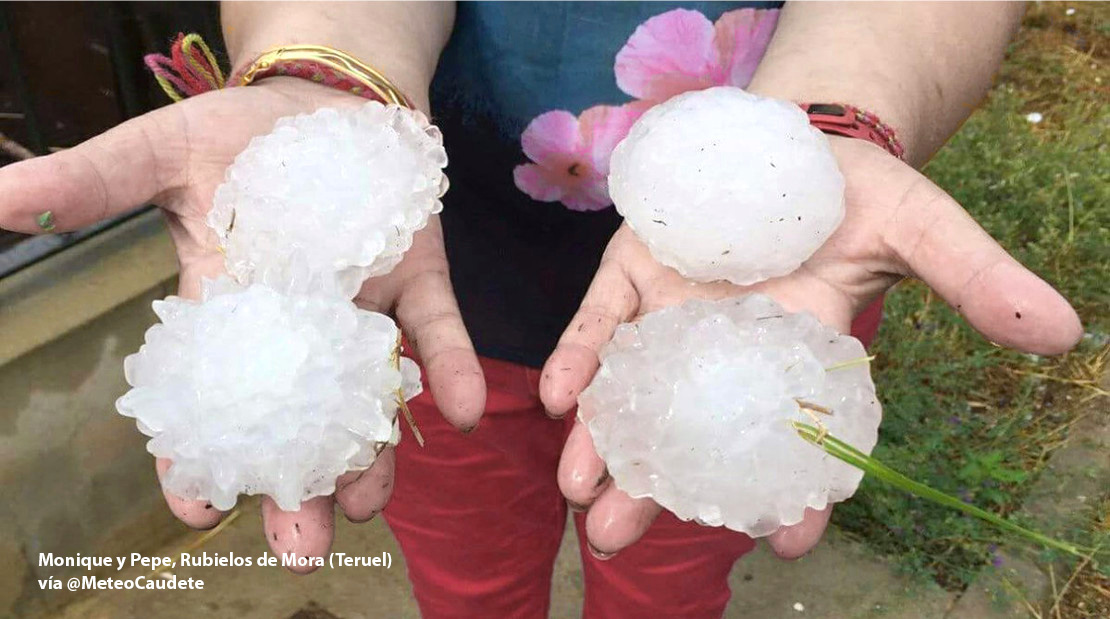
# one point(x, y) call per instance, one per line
point(175, 157)
point(897, 224)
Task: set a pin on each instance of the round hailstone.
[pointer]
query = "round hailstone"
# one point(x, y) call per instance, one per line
point(692, 407)
point(722, 184)
point(255, 392)
point(329, 199)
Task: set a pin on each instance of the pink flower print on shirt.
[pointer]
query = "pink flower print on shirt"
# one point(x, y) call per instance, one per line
point(671, 53)
point(570, 156)
point(681, 50)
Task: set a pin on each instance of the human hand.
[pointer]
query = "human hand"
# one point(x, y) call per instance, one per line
point(898, 224)
point(175, 157)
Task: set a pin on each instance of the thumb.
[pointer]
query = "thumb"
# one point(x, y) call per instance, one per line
point(934, 239)
point(108, 175)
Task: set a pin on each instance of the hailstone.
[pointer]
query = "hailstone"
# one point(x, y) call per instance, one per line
point(723, 184)
point(255, 392)
point(693, 405)
point(329, 199)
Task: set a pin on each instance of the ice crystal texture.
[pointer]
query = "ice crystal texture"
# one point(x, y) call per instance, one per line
point(692, 407)
point(329, 199)
point(722, 184)
point(256, 392)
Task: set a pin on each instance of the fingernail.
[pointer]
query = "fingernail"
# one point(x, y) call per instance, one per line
point(575, 507)
point(368, 518)
point(45, 221)
point(600, 556)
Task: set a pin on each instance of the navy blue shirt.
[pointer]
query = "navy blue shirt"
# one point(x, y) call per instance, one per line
point(520, 267)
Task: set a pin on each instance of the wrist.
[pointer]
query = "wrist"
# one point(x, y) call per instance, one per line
point(324, 67)
point(400, 41)
point(922, 67)
point(821, 89)
point(313, 94)
point(834, 118)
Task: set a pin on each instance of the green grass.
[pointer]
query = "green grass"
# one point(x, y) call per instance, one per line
point(959, 413)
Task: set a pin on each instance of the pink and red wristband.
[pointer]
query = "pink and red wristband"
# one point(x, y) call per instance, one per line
point(852, 122)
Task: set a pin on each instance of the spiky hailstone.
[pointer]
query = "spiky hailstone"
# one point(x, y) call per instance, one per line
point(329, 199)
point(693, 405)
point(722, 184)
point(255, 392)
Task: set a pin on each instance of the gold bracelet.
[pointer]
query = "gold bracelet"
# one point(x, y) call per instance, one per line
point(324, 65)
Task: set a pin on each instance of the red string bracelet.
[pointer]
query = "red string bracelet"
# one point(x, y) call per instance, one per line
point(190, 69)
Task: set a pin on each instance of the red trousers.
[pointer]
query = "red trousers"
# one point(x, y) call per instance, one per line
point(480, 519)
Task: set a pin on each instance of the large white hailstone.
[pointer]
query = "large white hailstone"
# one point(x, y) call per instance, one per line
point(693, 407)
point(329, 199)
point(255, 392)
point(722, 184)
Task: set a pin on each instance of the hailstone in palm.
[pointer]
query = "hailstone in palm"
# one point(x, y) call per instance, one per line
point(277, 383)
point(692, 406)
point(723, 184)
point(255, 392)
point(331, 198)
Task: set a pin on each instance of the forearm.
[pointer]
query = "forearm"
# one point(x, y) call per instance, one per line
point(921, 66)
point(403, 40)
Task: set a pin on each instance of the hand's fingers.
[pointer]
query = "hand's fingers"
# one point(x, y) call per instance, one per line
point(419, 291)
point(611, 300)
point(796, 540)
point(307, 532)
point(941, 244)
point(582, 473)
point(362, 494)
point(112, 173)
point(429, 315)
point(194, 270)
point(196, 514)
point(616, 520)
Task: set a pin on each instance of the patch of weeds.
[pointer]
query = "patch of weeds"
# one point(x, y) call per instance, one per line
point(1086, 592)
point(961, 414)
